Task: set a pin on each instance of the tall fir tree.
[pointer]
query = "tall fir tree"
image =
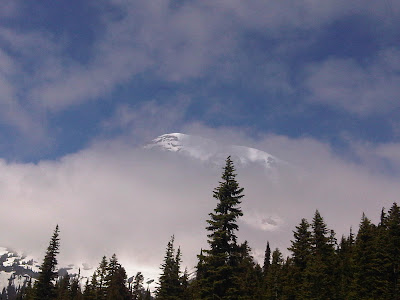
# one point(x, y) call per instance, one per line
point(116, 281)
point(345, 254)
point(392, 257)
point(275, 284)
point(319, 275)
point(169, 281)
point(301, 254)
point(366, 275)
point(45, 285)
point(267, 259)
point(221, 260)
point(101, 283)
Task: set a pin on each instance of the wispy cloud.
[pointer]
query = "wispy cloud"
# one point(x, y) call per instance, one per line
point(189, 41)
point(143, 122)
point(362, 88)
point(113, 197)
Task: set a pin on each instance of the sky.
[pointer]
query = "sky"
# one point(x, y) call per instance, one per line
point(84, 84)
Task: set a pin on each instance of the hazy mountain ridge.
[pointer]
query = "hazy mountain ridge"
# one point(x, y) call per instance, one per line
point(211, 151)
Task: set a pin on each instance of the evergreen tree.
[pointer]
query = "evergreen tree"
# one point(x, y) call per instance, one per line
point(137, 287)
point(100, 280)
point(366, 282)
point(221, 261)
point(169, 281)
point(346, 266)
point(76, 292)
point(116, 281)
point(63, 288)
point(275, 277)
point(301, 254)
point(248, 275)
point(186, 293)
point(320, 280)
point(45, 287)
point(392, 257)
point(267, 259)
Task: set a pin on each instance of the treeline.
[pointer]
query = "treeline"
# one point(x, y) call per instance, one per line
point(362, 266)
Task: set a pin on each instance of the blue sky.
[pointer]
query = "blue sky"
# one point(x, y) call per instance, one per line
point(84, 83)
point(298, 69)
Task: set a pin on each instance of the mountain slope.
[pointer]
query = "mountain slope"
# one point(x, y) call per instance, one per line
point(211, 151)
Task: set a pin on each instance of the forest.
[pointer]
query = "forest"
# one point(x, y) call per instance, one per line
point(364, 265)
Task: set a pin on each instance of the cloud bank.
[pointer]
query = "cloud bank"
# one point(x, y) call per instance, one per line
point(215, 41)
point(114, 197)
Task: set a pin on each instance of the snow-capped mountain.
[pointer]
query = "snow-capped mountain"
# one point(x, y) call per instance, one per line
point(17, 269)
point(211, 151)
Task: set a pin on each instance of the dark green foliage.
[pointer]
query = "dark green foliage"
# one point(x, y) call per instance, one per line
point(345, 259)
point(221, 261)
point(365, 283)
point(116, 281)
point(267, 259)
point(45, 286)
point(365, 267)
point(393, 250)
point(63, 288)
point(170, 284)
point(301, 249)
point(319, 274)
point(137, 287)
point(76, 293)
point(275, 277)
point(249, 275)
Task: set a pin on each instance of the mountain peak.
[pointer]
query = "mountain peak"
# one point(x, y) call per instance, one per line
point(208, 150)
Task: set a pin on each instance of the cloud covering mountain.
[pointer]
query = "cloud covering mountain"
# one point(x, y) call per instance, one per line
point(115, 197)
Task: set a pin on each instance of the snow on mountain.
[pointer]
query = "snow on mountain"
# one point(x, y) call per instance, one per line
point(17, 269)
point(211, 151)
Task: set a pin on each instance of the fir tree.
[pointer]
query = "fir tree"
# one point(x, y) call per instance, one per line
point(76, 292)
point(63, 288)
point(275, 277)
point(319, 281)
point(101, 288)
point(249, 275)
point(45, 287)
point(169, 281)
point(301, 254)
point(221, 261)
point(366, 283)
point(137, 287)
point(186, 295)
point(267, 259)
point(392, 257)
point(116, 278)
point(346, 266)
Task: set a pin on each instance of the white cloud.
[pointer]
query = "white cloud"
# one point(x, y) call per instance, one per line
point(359, 88)
point(143, 122)
point(113, 197)
point(176, 43)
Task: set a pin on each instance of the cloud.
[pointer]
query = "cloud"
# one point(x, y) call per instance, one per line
point(359, 88)
point(143, 122)
point(115, 197)
point(182, 43)
point(177, 43)
point(12, 112)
